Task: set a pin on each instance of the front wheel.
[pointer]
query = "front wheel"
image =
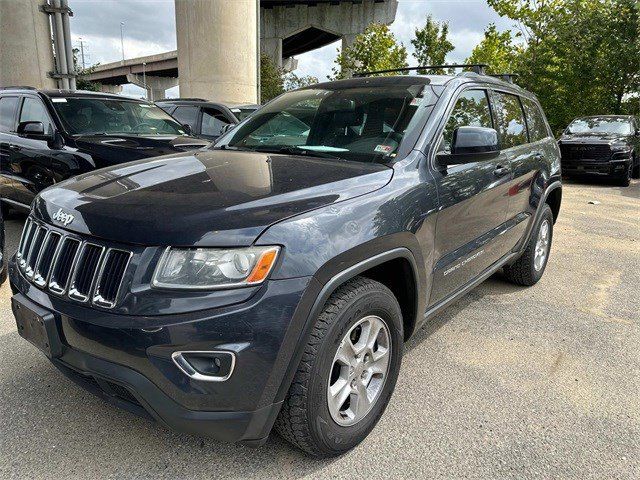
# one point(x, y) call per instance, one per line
point(348, 371)
point(529, 268)
point(625, 180)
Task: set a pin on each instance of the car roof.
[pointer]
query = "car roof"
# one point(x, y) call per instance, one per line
point(68, 93)
point(435, 80)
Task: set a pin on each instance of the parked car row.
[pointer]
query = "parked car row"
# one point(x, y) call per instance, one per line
point(269, 281)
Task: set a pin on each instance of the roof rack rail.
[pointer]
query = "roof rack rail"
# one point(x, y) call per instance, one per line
point(479, 68)
point(185, 99)
point(507, 77)
point(18, 87)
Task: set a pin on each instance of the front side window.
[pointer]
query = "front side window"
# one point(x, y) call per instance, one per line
point(187, 116)
point(364, 124)
point(110, 116)
point(471, 110)
point(535, 120)
point(511, 123)
point(33, 110)
point(8, 107)
point(213, 122)
point(601, 126)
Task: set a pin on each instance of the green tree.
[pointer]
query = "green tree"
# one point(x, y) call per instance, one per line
point(271, 79)
point(374, 49)
point(293, 81)
point(497, 49)
point(431, 44)
point(81, 82)
point(581, 57)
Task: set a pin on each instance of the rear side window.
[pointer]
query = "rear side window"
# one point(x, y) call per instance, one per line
point(471, 110)
point(187, 116)
point(535, 120)
point(8, 107)
point(34, 111)
point(511, 123)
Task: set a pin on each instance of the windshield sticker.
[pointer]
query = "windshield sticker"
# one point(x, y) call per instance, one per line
point(59, 100)
point(144, 105)
point(383, 149)
point(416, 102)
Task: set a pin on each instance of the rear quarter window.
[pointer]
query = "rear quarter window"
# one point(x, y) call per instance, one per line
point(535, 120)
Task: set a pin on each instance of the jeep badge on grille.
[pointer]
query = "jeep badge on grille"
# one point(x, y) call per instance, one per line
point(63, 217)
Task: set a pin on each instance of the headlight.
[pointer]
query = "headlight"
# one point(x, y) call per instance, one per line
point(211, 268)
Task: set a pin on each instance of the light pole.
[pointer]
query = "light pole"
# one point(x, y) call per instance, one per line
point(144, 80)
point(122, 39)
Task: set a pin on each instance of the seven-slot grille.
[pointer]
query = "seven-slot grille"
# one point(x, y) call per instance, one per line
point(596, 153)
point(65, 265)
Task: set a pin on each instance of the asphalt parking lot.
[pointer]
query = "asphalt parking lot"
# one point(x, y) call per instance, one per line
point(507, 383)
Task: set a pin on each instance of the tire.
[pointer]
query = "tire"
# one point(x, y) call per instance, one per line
point(625, 180)
point(636, 170)
point(525, 271)
point(305, 419)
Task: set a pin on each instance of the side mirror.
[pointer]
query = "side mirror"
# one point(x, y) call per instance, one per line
point(187, 128)
point(471, 144)
point(33, 130)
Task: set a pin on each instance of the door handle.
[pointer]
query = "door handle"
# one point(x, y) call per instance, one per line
point(501, 171)
point(15, 148)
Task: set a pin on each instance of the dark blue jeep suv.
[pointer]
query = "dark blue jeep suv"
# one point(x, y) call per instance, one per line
point(270, 281)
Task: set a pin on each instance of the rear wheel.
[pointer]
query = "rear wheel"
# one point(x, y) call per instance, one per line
point(529, 268)
point(347, 373)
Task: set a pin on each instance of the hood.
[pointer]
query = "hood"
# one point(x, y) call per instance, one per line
point(114, 149)
point(593, 138)
point(204, 198)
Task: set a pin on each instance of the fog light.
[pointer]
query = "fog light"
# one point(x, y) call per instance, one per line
point(206, 366)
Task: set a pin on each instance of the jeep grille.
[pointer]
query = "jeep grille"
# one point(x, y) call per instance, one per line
point(69, 266)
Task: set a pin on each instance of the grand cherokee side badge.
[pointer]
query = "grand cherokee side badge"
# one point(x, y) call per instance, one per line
point(63, 217)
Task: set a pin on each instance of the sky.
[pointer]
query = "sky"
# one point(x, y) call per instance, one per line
point(149, 28)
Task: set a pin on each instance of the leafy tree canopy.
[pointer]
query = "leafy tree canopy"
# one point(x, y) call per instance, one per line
point(374, 49)
point(271, 79)
point(581, 57)
point(431, 44)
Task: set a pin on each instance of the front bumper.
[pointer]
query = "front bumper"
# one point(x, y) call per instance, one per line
point(127, 359)
point(613, 168)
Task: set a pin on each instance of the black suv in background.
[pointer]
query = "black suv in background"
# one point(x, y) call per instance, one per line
point(48, 136)
point(271, 280)
point(206, 119)
point(607, 145)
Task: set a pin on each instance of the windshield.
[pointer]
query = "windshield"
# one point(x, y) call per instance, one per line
point(363, 124)
point(108, 116)
point(619, 126)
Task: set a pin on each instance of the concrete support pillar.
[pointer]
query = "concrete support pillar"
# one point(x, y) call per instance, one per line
point(155, 86)
point(111, 88)
point(273, 48)
point(218, 49)
point(26, 56)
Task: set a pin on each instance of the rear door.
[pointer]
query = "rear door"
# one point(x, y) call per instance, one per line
point(526, 143)
point(473, 203)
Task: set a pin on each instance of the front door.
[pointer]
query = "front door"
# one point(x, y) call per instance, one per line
point(33, 166)
point(473, 201)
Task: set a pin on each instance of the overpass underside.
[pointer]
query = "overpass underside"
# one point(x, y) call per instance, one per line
point(217, 54)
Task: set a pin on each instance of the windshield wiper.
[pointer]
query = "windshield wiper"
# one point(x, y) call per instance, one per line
point(298, 150)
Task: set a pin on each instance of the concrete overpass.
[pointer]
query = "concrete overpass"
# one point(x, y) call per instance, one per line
point(287, 28)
